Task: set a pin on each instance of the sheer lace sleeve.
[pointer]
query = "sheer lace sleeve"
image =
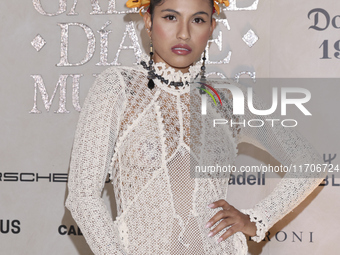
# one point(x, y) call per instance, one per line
point(91, 155)
point(287, 146)
point(290, 148)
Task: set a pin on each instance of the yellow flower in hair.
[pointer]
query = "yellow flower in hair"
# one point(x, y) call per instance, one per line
point(216, 2)
point(138, 4)
point(144, 3)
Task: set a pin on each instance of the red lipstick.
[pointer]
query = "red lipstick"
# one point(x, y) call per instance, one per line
point(181, 49)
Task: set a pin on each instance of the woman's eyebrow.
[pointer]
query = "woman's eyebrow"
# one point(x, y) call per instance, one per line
point(171, 10)
point(197, 13)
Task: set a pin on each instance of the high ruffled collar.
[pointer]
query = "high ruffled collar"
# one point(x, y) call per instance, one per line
point(169, 73)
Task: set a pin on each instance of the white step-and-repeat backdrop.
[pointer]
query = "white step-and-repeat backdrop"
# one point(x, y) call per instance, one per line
point(51, 51)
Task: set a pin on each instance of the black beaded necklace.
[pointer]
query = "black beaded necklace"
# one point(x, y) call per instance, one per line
point(152, 75)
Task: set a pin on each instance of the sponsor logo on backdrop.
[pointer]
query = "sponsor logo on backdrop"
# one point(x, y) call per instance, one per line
point(69, 230)
point(330, 180)
point(289, 236)
point(32, 177)
point(322, 21)
point(9, 226)
point(250, 179)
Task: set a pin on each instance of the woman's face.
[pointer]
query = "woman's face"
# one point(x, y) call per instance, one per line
point(180, 31)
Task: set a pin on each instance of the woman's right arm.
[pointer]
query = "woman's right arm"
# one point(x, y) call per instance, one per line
point(92, 151)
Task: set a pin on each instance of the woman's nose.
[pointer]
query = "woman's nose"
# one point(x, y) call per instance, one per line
point(183, 31)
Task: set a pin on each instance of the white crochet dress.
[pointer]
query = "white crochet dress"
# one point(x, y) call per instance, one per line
point(141, 137)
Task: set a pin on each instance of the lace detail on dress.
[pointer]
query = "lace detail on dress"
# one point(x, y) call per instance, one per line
point(261, 225)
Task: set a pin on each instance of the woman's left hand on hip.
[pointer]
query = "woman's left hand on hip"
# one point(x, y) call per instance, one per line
point(232, 217)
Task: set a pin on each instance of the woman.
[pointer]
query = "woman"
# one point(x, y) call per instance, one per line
point(135, 125)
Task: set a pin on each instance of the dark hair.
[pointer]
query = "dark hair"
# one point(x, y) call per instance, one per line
point(154, 3)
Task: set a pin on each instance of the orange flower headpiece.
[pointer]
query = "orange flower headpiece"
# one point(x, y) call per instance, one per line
point(142, 4)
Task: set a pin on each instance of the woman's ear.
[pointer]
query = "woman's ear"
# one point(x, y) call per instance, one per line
point(213, 25)
point(147, 23)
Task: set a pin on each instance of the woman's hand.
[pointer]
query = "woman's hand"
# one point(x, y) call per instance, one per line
point(230, 217)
